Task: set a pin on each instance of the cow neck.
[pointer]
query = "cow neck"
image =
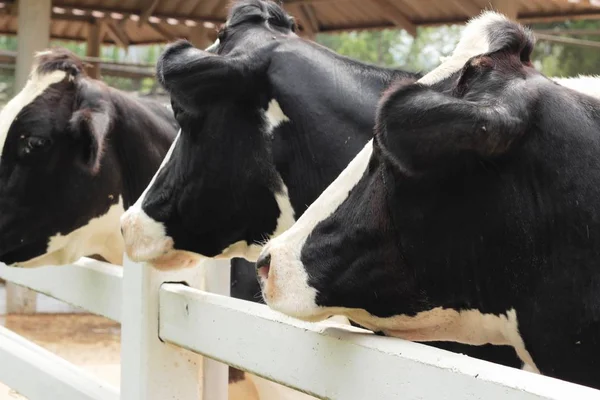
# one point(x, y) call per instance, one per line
point(141, 138)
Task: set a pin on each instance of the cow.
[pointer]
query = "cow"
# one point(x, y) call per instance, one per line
point(472, 216)
point(268, 121)
point(74, 153)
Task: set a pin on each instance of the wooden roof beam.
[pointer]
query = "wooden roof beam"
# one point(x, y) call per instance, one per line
point(128, 11)
point(311, 15)
point(201, 37)
point(147, 11)
point(164, 32)
point(467, 7)
point(570, 32)
point(309, 23)
point(117, 34)
point(565, 40)
point(393, 14)
point(510, 8)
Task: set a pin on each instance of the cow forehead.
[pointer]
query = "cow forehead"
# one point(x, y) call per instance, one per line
point(475, 40)
point(35, 86)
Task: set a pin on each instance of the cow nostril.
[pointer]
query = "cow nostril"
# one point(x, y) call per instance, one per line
point(263, 265)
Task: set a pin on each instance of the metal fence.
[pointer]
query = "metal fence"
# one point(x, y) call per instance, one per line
point(169, 319)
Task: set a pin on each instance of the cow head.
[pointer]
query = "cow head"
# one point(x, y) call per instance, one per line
point(355, 251)
point(52, 145)
point(198, 204)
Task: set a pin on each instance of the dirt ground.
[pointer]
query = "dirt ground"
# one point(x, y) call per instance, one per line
point(88, 341)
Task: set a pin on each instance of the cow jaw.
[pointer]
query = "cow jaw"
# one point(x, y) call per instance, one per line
point(285, 286)
point(443, 324)
point(146, 239)
point(99, 236)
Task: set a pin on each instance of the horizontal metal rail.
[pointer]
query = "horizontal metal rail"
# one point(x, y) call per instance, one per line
point(89, 284)
point(41, 375)
point(338, 362)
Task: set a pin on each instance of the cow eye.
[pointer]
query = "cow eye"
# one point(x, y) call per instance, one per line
point(33, 144)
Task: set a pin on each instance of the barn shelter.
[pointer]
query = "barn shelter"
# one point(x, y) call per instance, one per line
point(135, 22)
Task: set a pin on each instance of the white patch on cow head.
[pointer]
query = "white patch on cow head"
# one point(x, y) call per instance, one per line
point(286, 212)
point(285, 286)
point(146, 239)
point(35, 86)
point(213, 46)
point(274, 116)
point(100, 236)
point(474, 41)
point(589, 85)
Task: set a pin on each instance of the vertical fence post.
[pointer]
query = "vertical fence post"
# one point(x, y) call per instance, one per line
point(33, 35)
point(216, 374)
point(151, 369)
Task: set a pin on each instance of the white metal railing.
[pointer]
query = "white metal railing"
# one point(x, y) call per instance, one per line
point(92, 285)
point(166, 325)
point(39, 374)
point(336, 361)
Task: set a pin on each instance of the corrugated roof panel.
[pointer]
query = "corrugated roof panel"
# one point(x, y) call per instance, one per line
point(331, 14)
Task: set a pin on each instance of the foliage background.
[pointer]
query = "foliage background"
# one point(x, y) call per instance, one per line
point(397, 49)
point(392, 48)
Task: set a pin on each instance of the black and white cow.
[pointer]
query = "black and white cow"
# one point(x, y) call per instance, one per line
point(473, 216)
point(74, 154)
point(268, 121)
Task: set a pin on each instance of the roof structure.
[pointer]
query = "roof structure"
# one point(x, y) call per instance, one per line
point(344, 15)
point(128, 22)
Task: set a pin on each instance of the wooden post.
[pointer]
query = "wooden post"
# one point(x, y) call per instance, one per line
point(33, 35)
point(151, 369)
point(510, 8)
point(93, 47)
point(199, 37)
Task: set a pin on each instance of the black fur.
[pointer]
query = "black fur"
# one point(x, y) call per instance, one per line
point(482, 193)
point(218, 187)
point(58, 171)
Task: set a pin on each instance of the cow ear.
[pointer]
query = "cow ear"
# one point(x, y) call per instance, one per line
point(91, 124)
point(424, 129)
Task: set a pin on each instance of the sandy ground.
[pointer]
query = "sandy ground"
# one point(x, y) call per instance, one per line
point(88, 341)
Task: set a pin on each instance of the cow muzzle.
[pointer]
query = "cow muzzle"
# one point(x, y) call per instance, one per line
point(146, 240)
point(285, 283)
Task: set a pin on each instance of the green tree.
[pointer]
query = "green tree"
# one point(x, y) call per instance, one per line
point(556, 59)
point(395, 48)
point(376, 47)
point(77, 48)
